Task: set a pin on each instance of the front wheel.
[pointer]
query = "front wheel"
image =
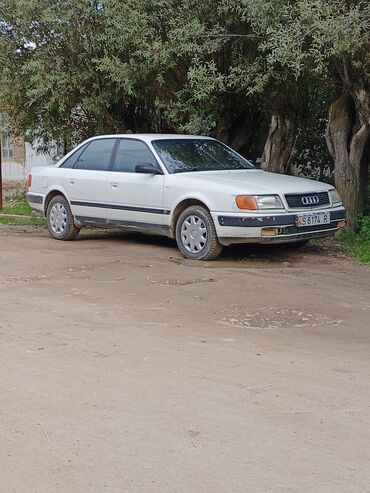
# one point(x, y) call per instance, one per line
point(60, 220)
point(196, 235)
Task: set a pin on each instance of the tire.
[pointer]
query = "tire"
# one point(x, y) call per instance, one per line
point(196, 235)
point(60, 221)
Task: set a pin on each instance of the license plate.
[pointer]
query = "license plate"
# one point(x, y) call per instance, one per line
point(314, 219)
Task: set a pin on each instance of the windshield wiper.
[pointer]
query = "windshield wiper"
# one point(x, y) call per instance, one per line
point(183, 170)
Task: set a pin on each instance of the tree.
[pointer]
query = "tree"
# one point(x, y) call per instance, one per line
point(49, 80)
point(226, 68)
point(75, 68)
point(329, 41)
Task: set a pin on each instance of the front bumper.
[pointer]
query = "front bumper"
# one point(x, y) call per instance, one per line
point(243, 228)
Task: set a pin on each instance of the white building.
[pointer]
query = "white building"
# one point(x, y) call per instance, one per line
point(18, 157)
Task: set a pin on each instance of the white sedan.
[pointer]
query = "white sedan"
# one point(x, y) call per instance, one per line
point(193, 189)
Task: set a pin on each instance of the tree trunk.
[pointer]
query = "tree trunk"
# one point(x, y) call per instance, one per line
point(347, 138)
point(239, 127)
point(280, 141)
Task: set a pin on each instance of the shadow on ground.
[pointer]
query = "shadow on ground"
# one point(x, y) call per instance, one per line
point(237, 254)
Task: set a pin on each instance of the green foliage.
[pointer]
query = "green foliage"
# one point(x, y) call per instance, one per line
point(358, 244)
point(32, 221)
point(307, 36)
point(364, 230)
point(310, 156)
point(17, 205)
point(75, 68)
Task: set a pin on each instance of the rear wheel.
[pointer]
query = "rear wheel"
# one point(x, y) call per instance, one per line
point(196, 235)
point(61, 224)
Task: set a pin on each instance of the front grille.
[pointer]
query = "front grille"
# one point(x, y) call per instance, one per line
point(307, 200)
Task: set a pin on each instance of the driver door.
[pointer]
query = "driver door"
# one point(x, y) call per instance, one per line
point(134, 199)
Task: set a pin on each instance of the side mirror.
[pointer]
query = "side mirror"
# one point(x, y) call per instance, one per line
point(148, 168)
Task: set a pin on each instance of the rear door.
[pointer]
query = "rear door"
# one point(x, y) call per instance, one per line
point(86, 181)
point(135, 199)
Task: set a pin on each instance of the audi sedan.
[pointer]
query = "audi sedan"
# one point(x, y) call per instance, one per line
point(193, 189)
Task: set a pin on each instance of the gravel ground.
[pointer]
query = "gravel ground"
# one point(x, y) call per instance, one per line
point(125, 368)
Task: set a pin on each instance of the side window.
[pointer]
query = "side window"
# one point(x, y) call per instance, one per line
point(70, 162)
point(131, 152)
point(97, 155)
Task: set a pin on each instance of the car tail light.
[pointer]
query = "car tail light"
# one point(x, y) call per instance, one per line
point(29, 182)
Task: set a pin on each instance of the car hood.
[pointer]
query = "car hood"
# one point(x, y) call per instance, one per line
point(255, 181)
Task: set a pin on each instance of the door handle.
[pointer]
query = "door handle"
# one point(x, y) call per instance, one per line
point(114, 185)
point(71, 182)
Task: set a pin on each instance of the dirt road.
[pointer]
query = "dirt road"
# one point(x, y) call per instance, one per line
point(125, 368)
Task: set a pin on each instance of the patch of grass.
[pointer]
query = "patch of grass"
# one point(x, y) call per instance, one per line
point(33, 221)
point(18, 206)
point(357, 244)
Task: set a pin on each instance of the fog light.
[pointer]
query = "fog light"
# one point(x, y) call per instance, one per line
point(269, 231)
point(341, 224)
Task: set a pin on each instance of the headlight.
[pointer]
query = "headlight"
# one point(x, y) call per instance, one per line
point(269, 202)
point(334, 197)
point(256, 202)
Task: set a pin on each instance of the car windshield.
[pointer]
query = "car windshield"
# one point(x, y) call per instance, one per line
point(184, 155)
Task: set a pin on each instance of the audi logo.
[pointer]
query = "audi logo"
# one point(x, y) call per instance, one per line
point(310, 200)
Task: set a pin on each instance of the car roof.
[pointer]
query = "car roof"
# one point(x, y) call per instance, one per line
point(150, 137)
point(143, 137)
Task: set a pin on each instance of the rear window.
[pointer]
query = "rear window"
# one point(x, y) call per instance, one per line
point(70, 162)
